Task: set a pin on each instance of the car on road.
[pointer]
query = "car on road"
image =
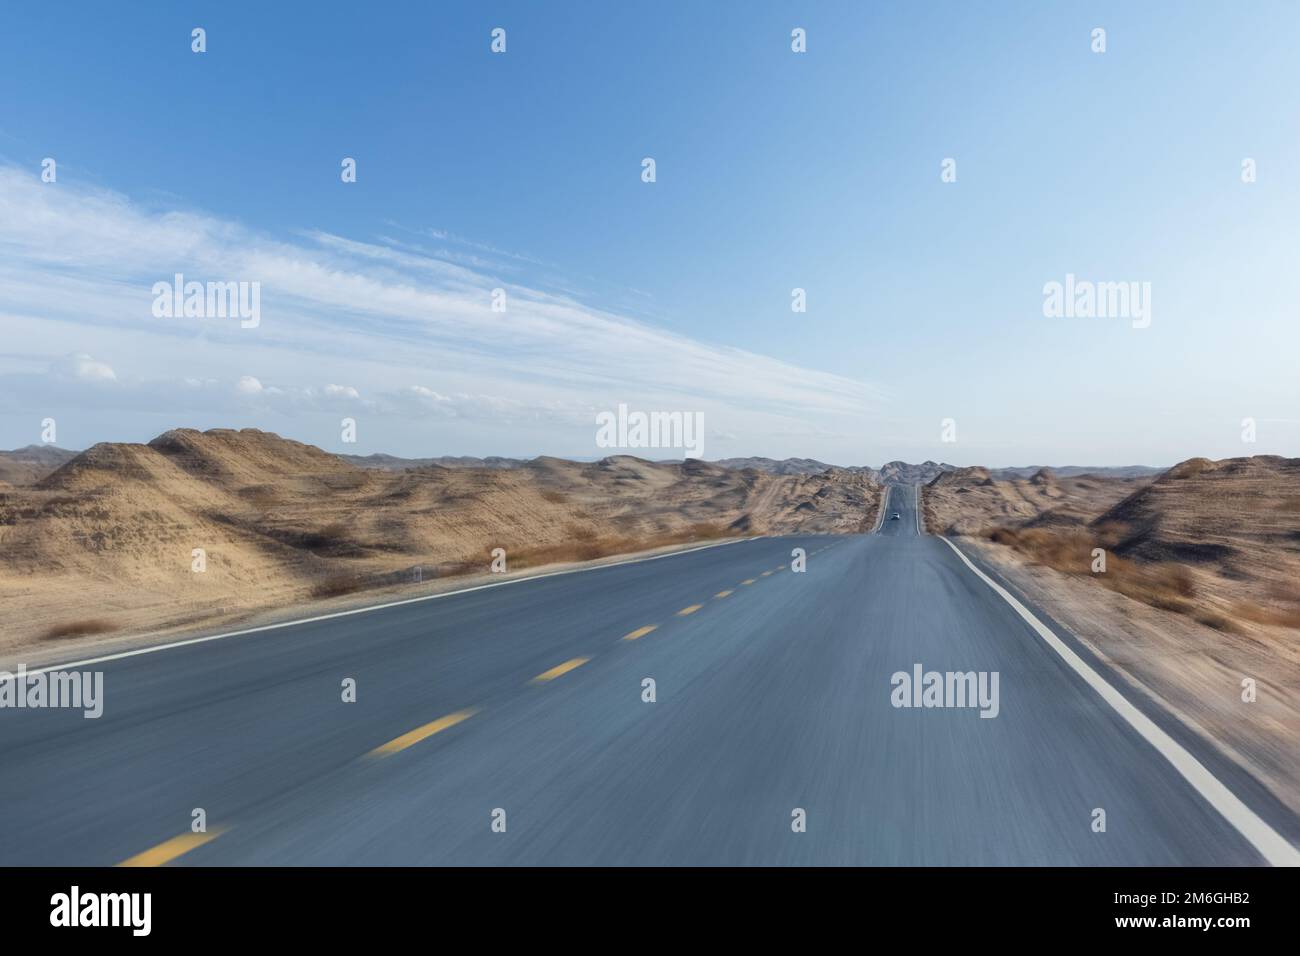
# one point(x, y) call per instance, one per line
point(894, 516)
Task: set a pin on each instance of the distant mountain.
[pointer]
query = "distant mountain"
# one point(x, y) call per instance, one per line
point(1073, 471)
point(894, 472)
point(904, 473)
point(788, 466)
point(900, 472)
point(393, 463)
point(26, 466)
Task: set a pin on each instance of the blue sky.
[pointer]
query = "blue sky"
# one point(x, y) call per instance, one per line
point(775, 170)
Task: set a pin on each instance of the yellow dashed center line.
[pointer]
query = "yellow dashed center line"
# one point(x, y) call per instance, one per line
point(177, 846)
point(559, 670)
point(420, 733)
point(169, 850)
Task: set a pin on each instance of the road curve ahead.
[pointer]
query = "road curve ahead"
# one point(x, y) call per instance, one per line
point(516, 725)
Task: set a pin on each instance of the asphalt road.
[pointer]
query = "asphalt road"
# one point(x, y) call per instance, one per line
point(773, 695)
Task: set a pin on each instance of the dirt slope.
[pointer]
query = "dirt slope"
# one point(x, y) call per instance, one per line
point(970, 501)
point(106, 541)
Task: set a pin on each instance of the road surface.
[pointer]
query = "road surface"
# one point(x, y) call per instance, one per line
point(772, 696)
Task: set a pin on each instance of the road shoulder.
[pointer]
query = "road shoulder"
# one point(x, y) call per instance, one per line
point(1091, 635)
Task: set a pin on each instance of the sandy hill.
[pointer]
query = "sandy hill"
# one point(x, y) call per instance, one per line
point(105, 540)
point(1240, 515)
point(1215, 540)
point(960, 478)
point(972, 501)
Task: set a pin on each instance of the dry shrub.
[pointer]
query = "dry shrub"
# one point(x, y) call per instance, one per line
point(1217, 621)
point(261, 497)
point(1166, 586)
point(1162, 585)
point(1069, 551)
point(334, 538)
point(587, 546)
point(76, 629)
point(1260, 614)
point(583, 545)
point(1110, 533)
point(337, 585)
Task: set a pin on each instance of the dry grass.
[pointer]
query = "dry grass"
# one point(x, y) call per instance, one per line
point(337, 585)
point(1213, 541)
point(1163, 585)
point(1270, 616)
point(76, 629)
point(586, 546)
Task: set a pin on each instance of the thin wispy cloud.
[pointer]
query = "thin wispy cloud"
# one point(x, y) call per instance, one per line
point(386, 319)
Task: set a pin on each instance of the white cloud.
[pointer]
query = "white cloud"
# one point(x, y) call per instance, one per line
point(409, 329)
point(83, 368)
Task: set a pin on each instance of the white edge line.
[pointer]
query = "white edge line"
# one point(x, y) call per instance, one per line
point(916, 506)
point(153, 649)
point(884, 503)
point(1270, 844)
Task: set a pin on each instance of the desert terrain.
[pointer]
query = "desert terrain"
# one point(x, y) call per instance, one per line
point(101, 545)
point(1200, 589)
point(975, 501)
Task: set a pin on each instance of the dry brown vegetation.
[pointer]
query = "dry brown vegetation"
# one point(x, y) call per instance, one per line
point(1162, 584)
point(586, 545)
point(75, 629)
point(282, 522)
point(1216, 541)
